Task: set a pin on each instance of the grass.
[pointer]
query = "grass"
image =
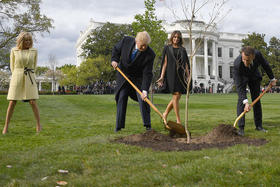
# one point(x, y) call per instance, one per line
point(76, 136)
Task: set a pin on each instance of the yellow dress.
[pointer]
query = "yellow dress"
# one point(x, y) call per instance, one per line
point(23, 85)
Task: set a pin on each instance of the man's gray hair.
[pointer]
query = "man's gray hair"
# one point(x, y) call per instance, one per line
point(143, 37)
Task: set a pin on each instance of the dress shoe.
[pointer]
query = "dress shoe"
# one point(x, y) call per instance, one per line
point(148, 128)
point(241, 132)
point(261, 129)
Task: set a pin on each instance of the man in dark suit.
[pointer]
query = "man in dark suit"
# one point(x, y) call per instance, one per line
point(135, 58)
point(246, 73)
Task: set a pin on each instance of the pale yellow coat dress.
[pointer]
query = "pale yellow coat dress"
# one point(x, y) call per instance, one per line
point(21, 87)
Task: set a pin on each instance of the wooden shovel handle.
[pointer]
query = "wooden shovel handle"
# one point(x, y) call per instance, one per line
point(252, 104)
point(135, 87)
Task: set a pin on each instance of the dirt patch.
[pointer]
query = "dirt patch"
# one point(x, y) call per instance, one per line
point(220, 137)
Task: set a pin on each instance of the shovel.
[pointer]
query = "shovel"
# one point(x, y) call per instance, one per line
point(252, 104)
point(170, 125)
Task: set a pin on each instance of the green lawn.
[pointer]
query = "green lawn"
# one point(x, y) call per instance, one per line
point(76, 137)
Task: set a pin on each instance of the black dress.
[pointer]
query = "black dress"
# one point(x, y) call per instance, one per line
point(175, 74)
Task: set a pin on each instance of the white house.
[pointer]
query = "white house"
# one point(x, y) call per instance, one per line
point(213, 61)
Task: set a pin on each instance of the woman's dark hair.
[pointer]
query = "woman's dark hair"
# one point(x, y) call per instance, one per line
point(179, 35)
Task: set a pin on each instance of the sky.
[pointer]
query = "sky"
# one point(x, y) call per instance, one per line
point(72, 16)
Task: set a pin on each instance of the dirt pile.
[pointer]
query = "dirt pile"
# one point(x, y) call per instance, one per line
point(220, 137)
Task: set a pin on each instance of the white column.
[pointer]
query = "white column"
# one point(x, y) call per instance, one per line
point(194, 62)
point(206, 58)
point(214, 60)
point(53, 86)
point(40, 85)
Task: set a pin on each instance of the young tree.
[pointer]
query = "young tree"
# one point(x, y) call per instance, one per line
point(192, 11)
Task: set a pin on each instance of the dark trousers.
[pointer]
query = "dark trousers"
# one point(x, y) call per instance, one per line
point(122, 105)
point(254, 87)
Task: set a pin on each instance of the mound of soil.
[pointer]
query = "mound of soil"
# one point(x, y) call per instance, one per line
point(220, 137)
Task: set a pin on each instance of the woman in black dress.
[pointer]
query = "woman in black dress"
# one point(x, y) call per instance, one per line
point(174, 72)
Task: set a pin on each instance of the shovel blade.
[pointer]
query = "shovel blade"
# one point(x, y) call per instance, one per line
point(176, 127)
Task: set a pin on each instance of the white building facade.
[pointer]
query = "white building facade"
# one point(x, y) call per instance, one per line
point(213, 61)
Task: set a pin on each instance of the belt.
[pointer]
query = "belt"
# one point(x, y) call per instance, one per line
point(28, 71)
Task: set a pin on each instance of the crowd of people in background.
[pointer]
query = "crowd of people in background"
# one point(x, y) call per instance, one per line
point(99, 87)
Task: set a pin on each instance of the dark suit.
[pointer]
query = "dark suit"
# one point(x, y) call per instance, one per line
point(250, 76)
point(139, 71)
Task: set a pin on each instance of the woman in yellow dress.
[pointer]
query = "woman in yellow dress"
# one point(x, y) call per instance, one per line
point(23, 61)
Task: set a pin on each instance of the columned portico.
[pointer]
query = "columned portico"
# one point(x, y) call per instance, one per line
point(211, 59)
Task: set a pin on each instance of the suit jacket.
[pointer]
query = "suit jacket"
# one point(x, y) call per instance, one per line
point(242, 75)
point(139, 71)
point(21, 87)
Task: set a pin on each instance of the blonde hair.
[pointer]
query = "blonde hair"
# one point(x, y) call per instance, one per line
point(143, 37)
point(23, 36)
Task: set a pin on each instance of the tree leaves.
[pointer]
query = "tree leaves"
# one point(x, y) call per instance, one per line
point(270, 52)
point(102, 39)
point(21, 15)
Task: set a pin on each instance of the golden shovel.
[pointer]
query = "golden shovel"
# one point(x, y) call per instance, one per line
point(252, 104)
point(170, 125)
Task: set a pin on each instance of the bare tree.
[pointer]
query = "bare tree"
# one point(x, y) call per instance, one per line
point(52, 72)
point(191, 12)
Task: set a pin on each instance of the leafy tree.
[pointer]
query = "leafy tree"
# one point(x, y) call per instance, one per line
point(270, 53)
point(65, 67)
point(256, 41)
point(274, 52)
point(5, 57)
point(4, 79)
point(94, 69)
point(102, 39)
point(17, 16)
point(41, 70)
point(69, 75)
point(150, 23)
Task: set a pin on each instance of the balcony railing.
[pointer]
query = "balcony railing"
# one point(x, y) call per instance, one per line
point(212, 76)
point(201, 77)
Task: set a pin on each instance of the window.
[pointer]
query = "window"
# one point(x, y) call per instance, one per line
point(209, 70)
point(230, 52)
point(220, 52)
point(231, 72)
point(220, 72)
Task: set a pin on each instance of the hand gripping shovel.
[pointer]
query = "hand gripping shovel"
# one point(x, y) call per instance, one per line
point(170, 125)
point(252, 104)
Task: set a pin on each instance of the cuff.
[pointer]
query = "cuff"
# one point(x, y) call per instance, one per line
point(245, 101)
point(272, 79)
point(145, 92)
